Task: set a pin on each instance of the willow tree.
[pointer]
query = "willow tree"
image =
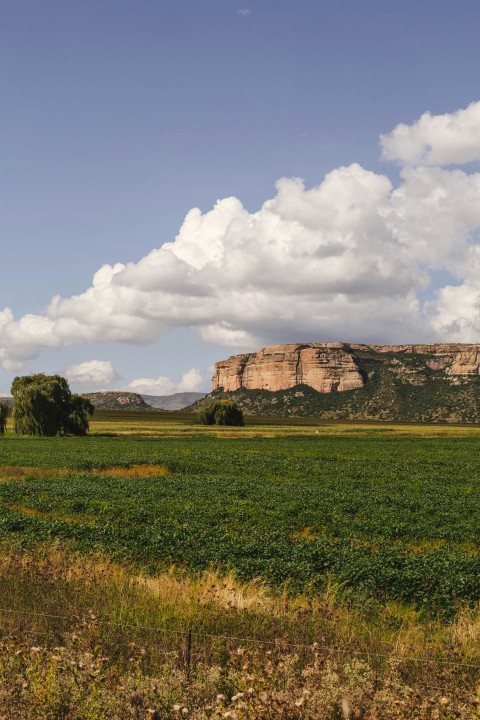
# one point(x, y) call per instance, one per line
point(222, 412)
point(44, 405)
point(4, 413)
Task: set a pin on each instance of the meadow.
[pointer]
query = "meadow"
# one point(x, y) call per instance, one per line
point(332, 544)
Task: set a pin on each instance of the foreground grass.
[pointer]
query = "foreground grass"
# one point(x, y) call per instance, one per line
point(84, 638)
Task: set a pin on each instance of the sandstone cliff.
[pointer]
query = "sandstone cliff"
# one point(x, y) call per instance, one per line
point(332, 367)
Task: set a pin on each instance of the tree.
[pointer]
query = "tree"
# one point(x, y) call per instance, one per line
point(77, 420)
point(4, 413)
point(222, 412)
point(44, 405)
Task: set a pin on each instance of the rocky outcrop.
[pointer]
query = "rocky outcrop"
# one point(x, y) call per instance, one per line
point(332, 367)
point(326, 367)
point(117, 400)
point(466, 361)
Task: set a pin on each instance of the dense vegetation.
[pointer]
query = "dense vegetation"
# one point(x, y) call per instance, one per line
point(43, 405)
point(222, 412)
point(4, 413)
point(407, 392)
point(394, 517)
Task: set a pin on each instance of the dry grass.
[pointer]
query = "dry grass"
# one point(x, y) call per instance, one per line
point(9, 473)
point(153, 424)
point(20, 472)
point(133, 471)
point(80, 643)
point(254, 427)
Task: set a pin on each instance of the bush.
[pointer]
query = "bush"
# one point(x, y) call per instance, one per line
point(4, 413)
point(222, 412)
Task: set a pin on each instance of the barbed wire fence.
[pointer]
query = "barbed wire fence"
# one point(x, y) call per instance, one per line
point(188, 646)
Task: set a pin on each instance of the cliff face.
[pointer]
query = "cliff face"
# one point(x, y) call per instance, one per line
point(326, 367)
point(332, 367)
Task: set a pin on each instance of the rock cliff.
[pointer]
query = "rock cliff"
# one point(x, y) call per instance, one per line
point(341, 381)
point(336, 367)
point(326, 367)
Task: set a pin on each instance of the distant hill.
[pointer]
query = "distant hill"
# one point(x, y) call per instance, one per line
point(122, 400)
point(178, 401)
point(341, 381)
point(117, 400)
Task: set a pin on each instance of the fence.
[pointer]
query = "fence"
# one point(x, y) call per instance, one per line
point(188, 648)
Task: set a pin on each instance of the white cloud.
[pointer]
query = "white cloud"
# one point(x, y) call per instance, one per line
point(191, 381)
point(92, 372)
point(436, 139)
point(244, 11)
point(347, 259)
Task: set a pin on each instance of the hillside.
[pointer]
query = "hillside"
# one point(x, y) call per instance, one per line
point(422, 383)
point(117, 400)
point(177, 401)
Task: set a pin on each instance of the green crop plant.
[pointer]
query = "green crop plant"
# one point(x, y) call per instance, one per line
point(387, 516)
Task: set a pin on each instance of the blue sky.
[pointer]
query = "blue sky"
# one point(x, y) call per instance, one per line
point(120, 116)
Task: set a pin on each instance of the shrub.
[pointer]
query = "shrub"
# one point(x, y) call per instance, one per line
point(222, 412)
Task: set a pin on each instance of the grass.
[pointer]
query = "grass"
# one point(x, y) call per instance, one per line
point(322, 575)
point(88, 638)
point(178, 424)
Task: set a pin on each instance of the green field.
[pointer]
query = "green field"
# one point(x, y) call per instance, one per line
point(389, 511)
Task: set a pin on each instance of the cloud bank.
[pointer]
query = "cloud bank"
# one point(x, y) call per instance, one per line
point(91, 372)
point(349, 259)
point(191, 381)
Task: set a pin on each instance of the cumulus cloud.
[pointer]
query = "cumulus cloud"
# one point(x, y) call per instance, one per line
point(191, 381)
point(92, 373)
point(347, 259)
point(436, 139)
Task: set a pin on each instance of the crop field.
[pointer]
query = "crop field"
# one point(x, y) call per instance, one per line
point(391, 512)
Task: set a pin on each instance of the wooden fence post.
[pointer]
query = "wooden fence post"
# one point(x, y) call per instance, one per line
point(188, 655)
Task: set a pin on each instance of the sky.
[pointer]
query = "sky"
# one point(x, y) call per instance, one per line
point(181, 181)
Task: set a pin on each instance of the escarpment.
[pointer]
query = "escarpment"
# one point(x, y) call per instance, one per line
point(336, 367)
point(326, 367)
point(352, 381)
